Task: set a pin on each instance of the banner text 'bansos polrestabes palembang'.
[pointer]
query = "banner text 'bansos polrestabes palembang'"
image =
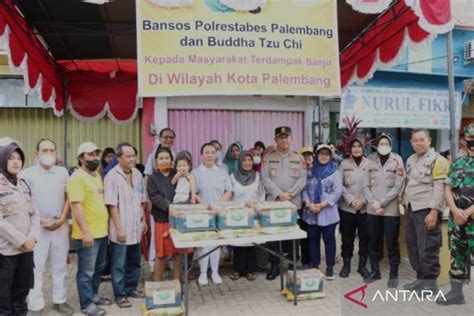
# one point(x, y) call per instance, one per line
point(237, 47)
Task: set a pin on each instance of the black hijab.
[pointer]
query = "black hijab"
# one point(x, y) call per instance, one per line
point(242, 176)
point(5, 153)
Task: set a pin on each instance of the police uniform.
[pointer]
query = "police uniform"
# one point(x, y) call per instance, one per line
point(384, 184)
point(19, 221)
point(283, 173)
point(352, 220)
point(424, 192)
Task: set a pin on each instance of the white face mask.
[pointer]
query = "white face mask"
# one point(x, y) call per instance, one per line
point(384, 150)
point(257, 160)
point(47, 160)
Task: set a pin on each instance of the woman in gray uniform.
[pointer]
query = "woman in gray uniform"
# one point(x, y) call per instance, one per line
point(383, 186)
point(19, 228)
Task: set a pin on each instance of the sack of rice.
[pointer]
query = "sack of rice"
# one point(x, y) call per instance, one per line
point(277, 229)
point(167, 311)
point(237, 233)
point(162, 294)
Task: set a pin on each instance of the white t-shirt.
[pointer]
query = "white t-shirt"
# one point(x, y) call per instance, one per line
point(254, 192)
point(48, 188)
point(183, 191)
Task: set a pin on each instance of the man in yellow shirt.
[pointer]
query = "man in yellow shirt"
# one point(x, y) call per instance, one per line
point(89, 228)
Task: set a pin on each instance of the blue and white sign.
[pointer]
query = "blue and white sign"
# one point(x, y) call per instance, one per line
point(392, 108)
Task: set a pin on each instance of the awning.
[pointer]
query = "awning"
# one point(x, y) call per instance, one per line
point(409, 22)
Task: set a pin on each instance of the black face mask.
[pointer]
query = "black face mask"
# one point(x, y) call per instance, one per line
point(470, 144)
point(92, 165)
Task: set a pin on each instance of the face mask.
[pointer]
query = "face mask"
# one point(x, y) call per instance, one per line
point(384, 150)
point(257, 160)
point(92, 165)
point(164, 167)
point(470, 144)
point(218, 155)
point(47, 160)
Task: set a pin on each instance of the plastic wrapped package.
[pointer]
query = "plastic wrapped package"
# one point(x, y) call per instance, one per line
point(163, 294)
point(193, 236)
point(167, 311)
point(277, 229)
point(192, 218)
point(307, 281)
point(274, 214)
point(234, 215)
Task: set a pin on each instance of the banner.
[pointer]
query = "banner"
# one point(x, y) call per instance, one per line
point(237, 47)
point(407, 108)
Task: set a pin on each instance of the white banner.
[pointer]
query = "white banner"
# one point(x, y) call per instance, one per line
point(405, 108)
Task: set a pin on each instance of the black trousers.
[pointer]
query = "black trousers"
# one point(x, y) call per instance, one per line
point(423, 244)
point(380, 227)
point(245, 260)
point(349, 224)
point(16, 280)
point(287, 246)
point(304, 243)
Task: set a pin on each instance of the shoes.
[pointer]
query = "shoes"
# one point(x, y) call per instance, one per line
point(393, 277)
point(203, 279)
point(216, 278)
point(364, 273)
point(97, 300)
point(414, 286)
point(374, 275)
point(346, 268)
point(453, 297)
point(330, 273)
point(94, 310)
point(64, 309)
point(274, 272)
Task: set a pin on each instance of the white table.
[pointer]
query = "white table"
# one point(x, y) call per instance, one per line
point(257, 240)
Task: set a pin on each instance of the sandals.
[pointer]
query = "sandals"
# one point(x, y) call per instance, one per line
point(123, 302)
point(235, 276)
point(102, 301)
point(251, 276)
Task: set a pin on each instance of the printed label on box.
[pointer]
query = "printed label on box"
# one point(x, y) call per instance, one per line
point(237, 218)
point(165, 297)
point(197, 220)
point(309, 283)
point(280, 216)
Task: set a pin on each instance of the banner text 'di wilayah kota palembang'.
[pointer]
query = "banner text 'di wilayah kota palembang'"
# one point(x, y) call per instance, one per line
point(237, 47)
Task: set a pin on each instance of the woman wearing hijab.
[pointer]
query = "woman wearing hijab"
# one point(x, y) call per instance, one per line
point(321, 195)
point(231, 159)
point(248, 186)
point(352, 208)
point(19, 229)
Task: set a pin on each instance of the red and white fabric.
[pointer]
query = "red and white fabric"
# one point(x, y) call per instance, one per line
point(369, 6)
point(382, 44)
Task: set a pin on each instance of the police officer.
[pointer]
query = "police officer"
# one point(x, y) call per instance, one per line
point(382, 187)
point(424, 195)
point(284, 177)
point(19, 229)
point(459, 193)
point(352, 208)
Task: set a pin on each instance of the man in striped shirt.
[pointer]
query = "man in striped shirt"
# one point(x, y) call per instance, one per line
point(125, 200)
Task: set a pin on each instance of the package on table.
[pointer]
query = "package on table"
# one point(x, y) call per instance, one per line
point(234, 215)
point(192, 217)
point(163, 294)
point(272, 214)
point(307, 281)
point(237, 233)
point(193, 236)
